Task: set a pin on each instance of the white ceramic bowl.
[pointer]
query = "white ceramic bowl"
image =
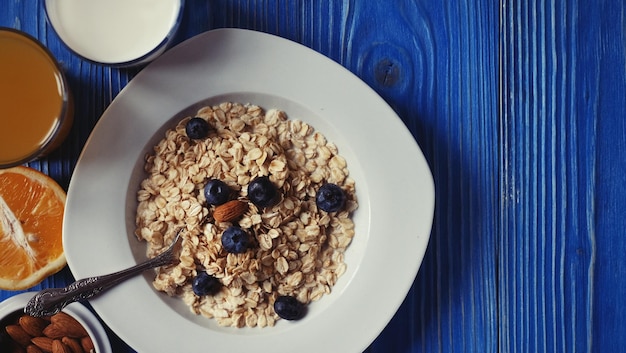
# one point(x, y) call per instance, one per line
point(392, 179)
point(78, 311)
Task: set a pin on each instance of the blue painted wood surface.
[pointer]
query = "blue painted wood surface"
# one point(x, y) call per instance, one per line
point(519, 107)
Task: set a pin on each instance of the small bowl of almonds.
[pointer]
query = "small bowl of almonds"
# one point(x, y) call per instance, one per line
point(73, 330)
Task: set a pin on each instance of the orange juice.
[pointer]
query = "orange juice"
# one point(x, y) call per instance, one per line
point(35, 109)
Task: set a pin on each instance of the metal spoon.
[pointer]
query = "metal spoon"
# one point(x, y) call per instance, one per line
point(51, 301)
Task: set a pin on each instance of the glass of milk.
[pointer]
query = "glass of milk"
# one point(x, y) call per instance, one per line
point(115, 32)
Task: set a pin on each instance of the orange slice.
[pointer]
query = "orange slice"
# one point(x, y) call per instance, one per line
point(31, 220)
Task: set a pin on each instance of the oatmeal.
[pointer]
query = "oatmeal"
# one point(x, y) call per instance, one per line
point(296, 249)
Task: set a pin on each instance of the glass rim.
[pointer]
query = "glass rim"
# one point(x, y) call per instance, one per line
point(145, 58)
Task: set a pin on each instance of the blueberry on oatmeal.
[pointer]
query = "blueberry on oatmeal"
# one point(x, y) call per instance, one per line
point(216, 192)
point(289, 308)
point(205, 284)
point(330, 197)
point(246, 193)
point(235, 240)
point(197, 128)
point(262, 192)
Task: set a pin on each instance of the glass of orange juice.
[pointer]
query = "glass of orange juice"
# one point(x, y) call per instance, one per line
point(36, 109)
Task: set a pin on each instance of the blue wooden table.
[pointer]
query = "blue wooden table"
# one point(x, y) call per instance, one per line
point(519, 107)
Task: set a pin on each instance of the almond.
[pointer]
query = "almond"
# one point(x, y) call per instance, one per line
point(67, 325)
point(33, 349)
point(18, 334)
point(60, 347)
point(87, 344)
point(44, 343)
point(54, 331)
point(33, 325)
point(74, 344)
point(230, 211)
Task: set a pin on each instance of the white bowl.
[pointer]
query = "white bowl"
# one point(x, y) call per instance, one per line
point(78, 311)
point(392, 179)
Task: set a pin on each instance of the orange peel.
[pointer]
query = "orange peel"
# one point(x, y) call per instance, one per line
point(31, 222)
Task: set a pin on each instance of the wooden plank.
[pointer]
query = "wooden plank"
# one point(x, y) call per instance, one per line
point(602, 52)
point(425, 60)
point(541, 179)
point(562, 109)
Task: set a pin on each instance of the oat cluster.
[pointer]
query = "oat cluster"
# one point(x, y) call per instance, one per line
point(299, 250)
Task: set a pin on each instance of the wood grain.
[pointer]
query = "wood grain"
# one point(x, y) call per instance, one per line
point(445, 94)
point(557, 94)
point(547, 248)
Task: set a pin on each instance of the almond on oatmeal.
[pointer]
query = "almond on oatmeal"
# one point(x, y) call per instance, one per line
point(298, 249)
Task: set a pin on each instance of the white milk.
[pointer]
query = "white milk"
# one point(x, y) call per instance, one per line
point(114, 31)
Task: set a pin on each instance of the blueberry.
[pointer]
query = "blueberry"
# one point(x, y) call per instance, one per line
point(289, 308)
point(197, 128)
point(330, 197)
point(262, 192)
point(235, 240)
point(216, 192)
point(205, 284)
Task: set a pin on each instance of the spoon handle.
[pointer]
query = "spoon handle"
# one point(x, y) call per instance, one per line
point(52, 300)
